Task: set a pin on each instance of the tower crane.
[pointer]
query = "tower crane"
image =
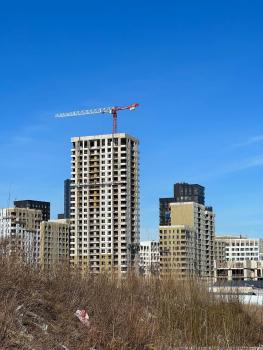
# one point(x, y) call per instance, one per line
point(107, 110)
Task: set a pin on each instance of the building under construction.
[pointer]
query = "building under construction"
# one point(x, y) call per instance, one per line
point(104, 202)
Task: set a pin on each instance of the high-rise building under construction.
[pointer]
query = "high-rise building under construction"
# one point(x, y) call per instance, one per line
point(104, 199)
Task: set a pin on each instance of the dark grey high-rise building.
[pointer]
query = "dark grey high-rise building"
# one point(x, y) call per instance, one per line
point(67, 199)
point(32, 204)
point(183, 192)
point(164, 212)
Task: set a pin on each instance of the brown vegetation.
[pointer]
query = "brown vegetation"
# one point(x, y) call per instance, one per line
point(37, 312)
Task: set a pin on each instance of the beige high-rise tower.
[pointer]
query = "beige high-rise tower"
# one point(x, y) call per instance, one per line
point(104, 202)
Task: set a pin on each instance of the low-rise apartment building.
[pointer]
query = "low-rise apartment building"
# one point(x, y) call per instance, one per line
point(238, 248)
point(149, 258)
point(238, 270)
point(20, 230)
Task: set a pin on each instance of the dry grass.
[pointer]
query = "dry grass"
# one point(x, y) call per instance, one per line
point(37, 312)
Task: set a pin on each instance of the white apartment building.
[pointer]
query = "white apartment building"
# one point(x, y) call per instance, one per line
point(105, 202)
point(238, 248)
point(149, 258)
point(20, 231)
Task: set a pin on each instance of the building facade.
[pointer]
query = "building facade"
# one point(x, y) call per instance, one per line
point(164, 211)
point(105, 202)
point(209, 239)
point(183, 192)
point(219, 250)
point(238, 270)
point(238, 248)
point(187, 243)
point(149, 258)
point(178, 251)
point(67, 199)
point(20, 229)
point(54, 243)
point(32, 204)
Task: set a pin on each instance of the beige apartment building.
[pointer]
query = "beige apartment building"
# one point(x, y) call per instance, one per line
point(54, 243)
point(20, 229)
point(209, 240)
point(177, 251)
point(187, 244)
point(220, 250)
point(238, 270)
point(105, 202)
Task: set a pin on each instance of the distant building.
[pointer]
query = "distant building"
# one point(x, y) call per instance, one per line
point(149, 258)
point(164, 211)
point(20, 230)
point(187, 242)
point(54, 243)
point(33, 204)
point(67, 199)
point(238, 248)
point(183, 192)
point(178, 251)
point(238, 270)
point(219, 250)
point(61, 216)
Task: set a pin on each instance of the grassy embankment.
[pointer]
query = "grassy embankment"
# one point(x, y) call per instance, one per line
point(37, 312)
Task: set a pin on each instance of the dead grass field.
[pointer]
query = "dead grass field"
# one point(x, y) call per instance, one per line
point(37, 312)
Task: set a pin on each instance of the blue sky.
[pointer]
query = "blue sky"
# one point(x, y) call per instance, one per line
point(195, 67)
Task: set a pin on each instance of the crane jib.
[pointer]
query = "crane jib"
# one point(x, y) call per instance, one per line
point(111, 110)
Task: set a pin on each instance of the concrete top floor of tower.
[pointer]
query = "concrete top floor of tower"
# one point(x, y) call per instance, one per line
point(103, 137)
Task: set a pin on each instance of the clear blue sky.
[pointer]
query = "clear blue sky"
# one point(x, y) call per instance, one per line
point(194, 66)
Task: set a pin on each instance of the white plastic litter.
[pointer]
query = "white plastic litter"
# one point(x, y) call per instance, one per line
point(83, 316)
